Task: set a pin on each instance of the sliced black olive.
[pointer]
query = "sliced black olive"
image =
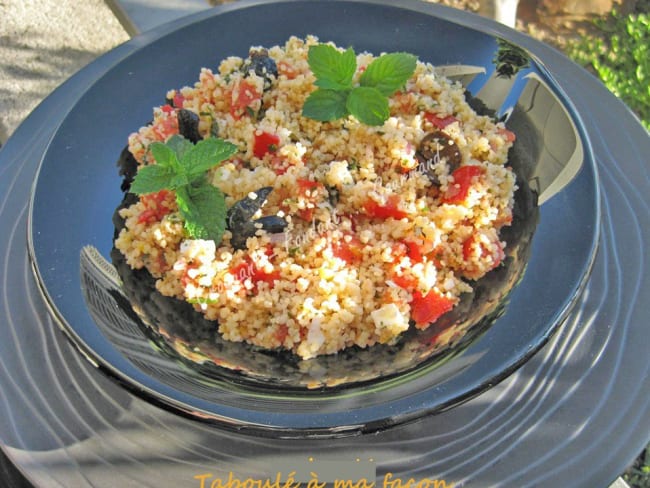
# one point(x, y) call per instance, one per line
point(262, 65)
point(438, 146)
point(270, 223)
point(426, 166)
point(243, 210)
point(188, 125)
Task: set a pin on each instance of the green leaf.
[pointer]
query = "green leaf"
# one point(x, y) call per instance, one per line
point(325, 105)
point(389, 72)
point(368, 105)
point(152, 178)
point(164, 155)
point(179, 145)
point(333, 69)
point(205, 155)
point(203, 207)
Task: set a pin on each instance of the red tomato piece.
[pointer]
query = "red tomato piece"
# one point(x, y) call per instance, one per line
point(404, 281)
point(414, 253)
point(154, 208)
point(388, 210)
point(463, 179)
point(306, 214)
point(508, 135)
point(165, 127)
point(475, 247)
point(282, 333)
point(279, 165)
point(287, 70)
point(350, 251)
point(178, 100)
point(307, 189)
point(241, 98)
point(265, 143)
point(306, 185)
point(426, 309)
point(248, 270)
point(440, 122)
point(270, 278)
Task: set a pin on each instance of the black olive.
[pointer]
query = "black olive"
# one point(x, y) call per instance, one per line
point(438, 146)
point(188, 125)
point(262, 65)
point(272, 224)
point(243, 210)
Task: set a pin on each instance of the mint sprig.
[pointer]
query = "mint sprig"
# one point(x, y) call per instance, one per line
point(181, 166)
point(337, 96)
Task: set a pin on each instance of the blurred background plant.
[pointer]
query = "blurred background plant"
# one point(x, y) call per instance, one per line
point(618, 52)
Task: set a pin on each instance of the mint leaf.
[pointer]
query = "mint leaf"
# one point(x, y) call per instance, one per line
point(203, 207)
point(337, 97)
point(333, 69)
point(368, 105)
point(325, 105)
point(206, 154)
point(179, 145)
point(165, 156)
point(389, 72)
point(152, 178)
point(181, 166)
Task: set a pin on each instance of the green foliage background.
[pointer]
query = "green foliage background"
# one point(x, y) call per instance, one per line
point(620, 55)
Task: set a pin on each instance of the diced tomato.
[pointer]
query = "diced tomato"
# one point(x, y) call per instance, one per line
point(166, 126)
point(388, 210)
point(405, 103)
point(306, 185)
point(178, 100)
point(438, 121)
point(154, 208)
point(426, 309)
point(463, 179)
point(474, 247)
point(349, 250)
point(310, 192)
point(185, 278)
point(287, 70)
point(279, 165)
point(282, 333)
point(468, 247)
point(167, 108)
point(269, 278)
point(242, 271)
point(413, 252)
point(306, 214)
point(265, 143)
point(248, 270)
point(508, 135)
point(268, 250)
point(405, 281)
point(241, 98)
